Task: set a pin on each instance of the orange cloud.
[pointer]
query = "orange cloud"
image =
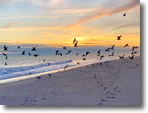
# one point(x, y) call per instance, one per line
point(130, 5)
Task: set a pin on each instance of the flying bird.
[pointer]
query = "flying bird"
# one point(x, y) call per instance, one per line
point(64, 48)
point(57, 51)
point(101, 57)
point(76, 44)
point(5, 48)
point(18, 47)
point(36, 55)
point(111, 54)
point(66, 67)
point(33, 49)
point(74, 40)
point(23, 52)
point(126, 45)
point(131, 57)
point(119, 37)
point(121, 57)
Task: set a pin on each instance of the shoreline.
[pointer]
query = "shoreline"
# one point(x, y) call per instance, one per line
point(115, 82)
point(15, 79)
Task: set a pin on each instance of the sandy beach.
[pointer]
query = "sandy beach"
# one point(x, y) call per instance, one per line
point(110, 83)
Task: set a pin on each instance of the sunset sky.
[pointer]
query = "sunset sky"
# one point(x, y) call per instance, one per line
point(57, 22)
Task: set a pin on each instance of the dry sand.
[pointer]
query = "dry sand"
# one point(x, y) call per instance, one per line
point(110, 83)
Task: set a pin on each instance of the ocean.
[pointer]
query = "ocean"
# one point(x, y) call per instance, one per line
point(19, 65)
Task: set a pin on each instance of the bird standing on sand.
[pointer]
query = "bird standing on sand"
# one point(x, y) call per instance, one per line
point(124, 14)
point(66, 67)
point(36, 55)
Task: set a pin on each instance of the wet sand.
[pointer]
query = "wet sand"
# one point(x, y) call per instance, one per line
point(110, 83)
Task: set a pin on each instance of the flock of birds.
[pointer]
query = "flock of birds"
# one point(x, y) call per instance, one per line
point(75, 44)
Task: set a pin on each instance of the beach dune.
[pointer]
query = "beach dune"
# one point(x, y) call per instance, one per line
point(114, 82)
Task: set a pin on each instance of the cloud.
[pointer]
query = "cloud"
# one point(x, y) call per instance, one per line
point(127, 25)
point(8, 25)
point(97, 15)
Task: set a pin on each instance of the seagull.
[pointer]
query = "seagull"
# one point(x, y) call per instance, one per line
point(6, 63)
point(66, 67)
point(5, 48)
point(74, 40)
point(36, 55)
point(111, 54)
point(64, 48)
point(87, 53)
point(6, 56)
point(133, 53)
point(57, 51)
point(124, 14)
point(33, 49)
point(18, 47)
point(23, 53)
point(68, 52)
point(131, 57)
point(77, 54)
point(76, 44)
point(119, 37)
point(99, 52)
point(121, 57)
point(101, 57)
point(84, 58)
point(126, 45)
point(60, 54)
point(107, 49)
point(29, 54)
point(112, 48)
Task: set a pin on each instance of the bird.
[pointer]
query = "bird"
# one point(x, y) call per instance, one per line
point(36, 55)
point(29, 54)
point(84, 58)
point(87, 53)
point(99, 52)
point(74, 40)
point(33, 49)
point(23, 52)
point(107, 49)
point(6, 63)
point(66, 67)
point(111, 54)
point(44, 60)
point(77, 54)
point(131, 57)
point(57, 51)
point(119, 37)
point(124, 14)
point(68, 52)
point(112, 48)
point(134, 52)
point(18, 47)
point(6, 56)
point(5, 48)
point(64, 48)
point(76, 44)
point(101, 57)
point(126, 45)
point(121, 57)
point(60, 54)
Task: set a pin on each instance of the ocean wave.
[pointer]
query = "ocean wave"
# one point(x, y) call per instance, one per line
point(11, 72)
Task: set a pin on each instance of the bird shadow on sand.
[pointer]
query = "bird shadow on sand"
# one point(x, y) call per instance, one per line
point(142, 49)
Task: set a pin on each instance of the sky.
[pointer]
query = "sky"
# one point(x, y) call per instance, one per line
point(57, 22)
